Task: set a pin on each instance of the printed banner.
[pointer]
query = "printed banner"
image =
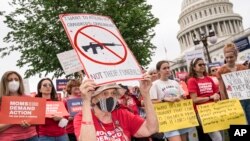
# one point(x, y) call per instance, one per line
point(56, 108)
point(220, 115)
point(61, 84)
point(237, 84)
point(74, 106)
point(15, 109)
point(177, 115)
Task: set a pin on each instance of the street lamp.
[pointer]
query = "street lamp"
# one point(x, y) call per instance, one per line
point(204, 38)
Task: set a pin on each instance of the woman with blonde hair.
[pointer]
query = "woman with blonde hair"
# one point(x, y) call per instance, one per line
point(12, 85)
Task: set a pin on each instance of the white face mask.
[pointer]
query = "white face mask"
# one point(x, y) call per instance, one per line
point(13, 86)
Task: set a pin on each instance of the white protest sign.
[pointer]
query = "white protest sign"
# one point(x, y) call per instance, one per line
point(237, 84)
point(26, 86)
point(101, 48)
point(189, 56)
point(69, 62)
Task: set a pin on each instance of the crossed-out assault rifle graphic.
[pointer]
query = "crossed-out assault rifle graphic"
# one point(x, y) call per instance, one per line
point(94, 46)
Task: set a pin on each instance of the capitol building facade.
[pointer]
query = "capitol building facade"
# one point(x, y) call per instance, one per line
point(202, 16)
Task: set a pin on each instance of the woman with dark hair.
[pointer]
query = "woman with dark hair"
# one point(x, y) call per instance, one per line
point(50, 131)
point(12, 85)
point(202, 90)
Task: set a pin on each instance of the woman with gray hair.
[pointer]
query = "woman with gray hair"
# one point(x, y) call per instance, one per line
point(101, 120)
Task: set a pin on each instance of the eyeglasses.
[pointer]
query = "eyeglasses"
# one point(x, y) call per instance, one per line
point(200, 65)
point(47, 85)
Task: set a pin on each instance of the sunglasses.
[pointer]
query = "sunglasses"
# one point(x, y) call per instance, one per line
point(203, 64)
point(214, 70)
point(47, 85)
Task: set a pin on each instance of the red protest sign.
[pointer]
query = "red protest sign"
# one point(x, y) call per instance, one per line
point(55, 108)
point(15, 109)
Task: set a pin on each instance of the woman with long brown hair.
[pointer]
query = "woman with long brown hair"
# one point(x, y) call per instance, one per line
point(202, 89)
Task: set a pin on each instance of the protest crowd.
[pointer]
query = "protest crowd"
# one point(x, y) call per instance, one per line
point(116, 112)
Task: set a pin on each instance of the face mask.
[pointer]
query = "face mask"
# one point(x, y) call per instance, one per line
point(13, 86)
point(107, 105)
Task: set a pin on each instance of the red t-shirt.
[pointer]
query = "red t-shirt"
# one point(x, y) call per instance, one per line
point(203, 87)
point(16, 132)
point(125, 125)
point(50, 128)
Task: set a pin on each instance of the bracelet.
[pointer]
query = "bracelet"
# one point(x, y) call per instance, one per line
point(87, 122)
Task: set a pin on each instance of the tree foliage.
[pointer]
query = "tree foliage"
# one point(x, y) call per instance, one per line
point(38, 34)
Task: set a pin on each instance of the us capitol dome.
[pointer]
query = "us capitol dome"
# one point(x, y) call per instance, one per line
point(202, 16)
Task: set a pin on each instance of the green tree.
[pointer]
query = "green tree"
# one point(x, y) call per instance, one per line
point(38, 34)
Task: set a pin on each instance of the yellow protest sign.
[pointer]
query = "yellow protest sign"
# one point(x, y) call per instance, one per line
point(177, 115)
point(220, 115)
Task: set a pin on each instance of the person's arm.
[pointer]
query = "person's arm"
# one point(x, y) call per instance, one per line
point(4, 127)
point(197, 99)
point(150, 125)
point(87, 130)
point(222, 90)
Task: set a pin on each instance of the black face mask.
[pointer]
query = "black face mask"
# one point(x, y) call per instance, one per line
point(107, 105)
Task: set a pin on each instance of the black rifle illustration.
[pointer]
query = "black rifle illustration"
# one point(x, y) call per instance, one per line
point(94, 46)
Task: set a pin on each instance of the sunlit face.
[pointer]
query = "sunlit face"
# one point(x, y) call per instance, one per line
point(230, 57)
point(106, 94)
point(165, 70)
point(12, 77)
point(75, 91)
point(46, 87)
point(200, 66)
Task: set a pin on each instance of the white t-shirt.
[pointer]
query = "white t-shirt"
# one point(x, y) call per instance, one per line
point(161, 89)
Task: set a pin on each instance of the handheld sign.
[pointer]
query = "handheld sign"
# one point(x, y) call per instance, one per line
point(101, 49)
point(55, 108)
point(220, 115)
point(237, 84)
point(69, 62)
point(15, 109)
point(74, 106)
point(177, 115)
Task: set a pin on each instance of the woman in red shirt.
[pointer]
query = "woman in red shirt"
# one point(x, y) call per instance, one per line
point(12, 85)
point(101, 120)
point(202, 89)
point(73, 91)
point(50, 131)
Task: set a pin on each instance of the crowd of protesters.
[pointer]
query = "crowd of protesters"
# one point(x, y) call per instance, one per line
point(120, 112)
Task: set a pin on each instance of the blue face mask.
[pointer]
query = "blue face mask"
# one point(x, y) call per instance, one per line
point(107, 104)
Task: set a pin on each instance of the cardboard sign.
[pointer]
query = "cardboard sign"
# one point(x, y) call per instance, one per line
point(69, 62)
point(55, 108)
point(15, 109)
point(74, 106)
point(177, 115)
point(220, 115)
point(101, 49)
point(237, 84)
